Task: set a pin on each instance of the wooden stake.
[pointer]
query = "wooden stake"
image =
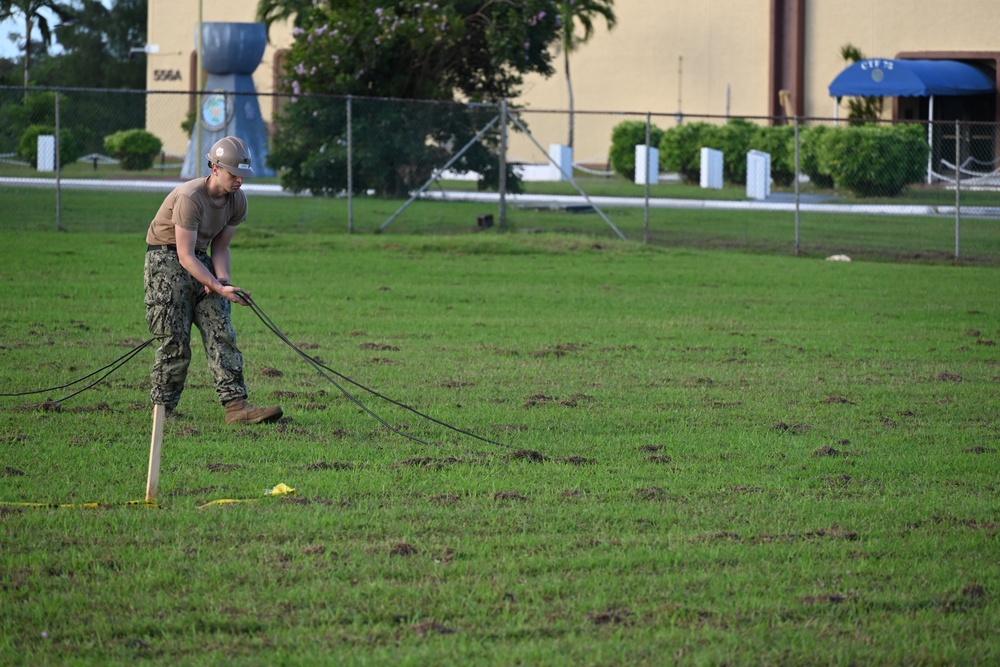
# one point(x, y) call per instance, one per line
point(153, 479)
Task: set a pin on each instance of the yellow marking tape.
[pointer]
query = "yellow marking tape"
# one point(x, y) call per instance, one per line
point(279, 490)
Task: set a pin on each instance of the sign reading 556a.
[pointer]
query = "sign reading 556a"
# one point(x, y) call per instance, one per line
point(166, 75)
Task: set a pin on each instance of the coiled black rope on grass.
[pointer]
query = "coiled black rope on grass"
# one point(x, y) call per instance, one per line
point(322, 370)
point(114, 365)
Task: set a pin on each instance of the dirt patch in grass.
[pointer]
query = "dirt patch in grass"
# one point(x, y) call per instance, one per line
point(575, 400)
point(955, 522)
point(971, 597)
point(404, 549)
point(651, 448)
point(454, 384)
point(827, 450)
point(444, 498)
point(12, 472)
point(794, 429)
point(834, 532)
point(537, 399)
point(560, 350)
point(267, 371)
point(651, 493)
point(948, 377)
point(979, 449)
point(528, 455)
point(45, 406)
point(223, 467)
point(576, 460)
point(336, 465)
point(381, 347)
point(829, 598)
point(838, 399)
point(508, 495)
point(431, 628)
point(622, 616)
point(428, 462)
point(83, 409)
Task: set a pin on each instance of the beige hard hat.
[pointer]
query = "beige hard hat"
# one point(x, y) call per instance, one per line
point(233, 154)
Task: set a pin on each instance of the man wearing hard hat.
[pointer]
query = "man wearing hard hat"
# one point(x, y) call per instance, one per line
point(187, 275)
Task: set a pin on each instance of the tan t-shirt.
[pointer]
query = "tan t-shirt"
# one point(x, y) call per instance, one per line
point(189, 207)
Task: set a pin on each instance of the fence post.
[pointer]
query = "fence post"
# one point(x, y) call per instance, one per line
point(649, 120)
point(798, 215)
point(350, 169)
point(502, 186)
point(930, 138)
point(958, 192)
point(59, 225)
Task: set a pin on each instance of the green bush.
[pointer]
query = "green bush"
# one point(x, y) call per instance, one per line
point(136, 149)
point(680, 149)
point(735, 139)
point(811, 159)
point(874, 160)
point(779, 142)
point(69, 146)
point(624, 138)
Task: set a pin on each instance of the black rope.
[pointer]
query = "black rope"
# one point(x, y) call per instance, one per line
point(116, 364)
point(322, 368)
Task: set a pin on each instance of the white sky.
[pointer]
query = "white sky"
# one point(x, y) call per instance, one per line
point(9, 49)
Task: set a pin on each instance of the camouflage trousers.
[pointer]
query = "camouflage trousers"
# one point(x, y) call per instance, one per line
point(174, 302)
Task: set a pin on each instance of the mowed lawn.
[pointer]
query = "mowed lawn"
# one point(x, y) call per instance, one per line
point(694, 457)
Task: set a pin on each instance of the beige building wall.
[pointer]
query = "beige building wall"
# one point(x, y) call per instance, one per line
point(885, 28)
point(726, 49)
point(711, 57)
point(663, 56)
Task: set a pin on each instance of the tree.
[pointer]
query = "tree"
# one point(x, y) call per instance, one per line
point(272, 11)
point(31, 11)
point(580, 13)
point(98, 43)
point(477, 49)
point(471, 50)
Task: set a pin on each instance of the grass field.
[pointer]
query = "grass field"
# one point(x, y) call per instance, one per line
point(872, 237)
point(706, 457)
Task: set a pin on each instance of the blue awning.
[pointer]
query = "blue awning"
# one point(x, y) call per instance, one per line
point(884, 77)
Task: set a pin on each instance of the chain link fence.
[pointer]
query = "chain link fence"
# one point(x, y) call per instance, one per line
point(811, 187)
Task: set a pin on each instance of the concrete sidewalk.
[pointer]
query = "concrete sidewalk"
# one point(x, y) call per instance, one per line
point(783, 202)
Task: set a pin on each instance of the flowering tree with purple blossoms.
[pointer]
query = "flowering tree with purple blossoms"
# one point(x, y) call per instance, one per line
point(447, 52)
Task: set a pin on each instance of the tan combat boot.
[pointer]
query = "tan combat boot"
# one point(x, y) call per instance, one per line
point(241, 412)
